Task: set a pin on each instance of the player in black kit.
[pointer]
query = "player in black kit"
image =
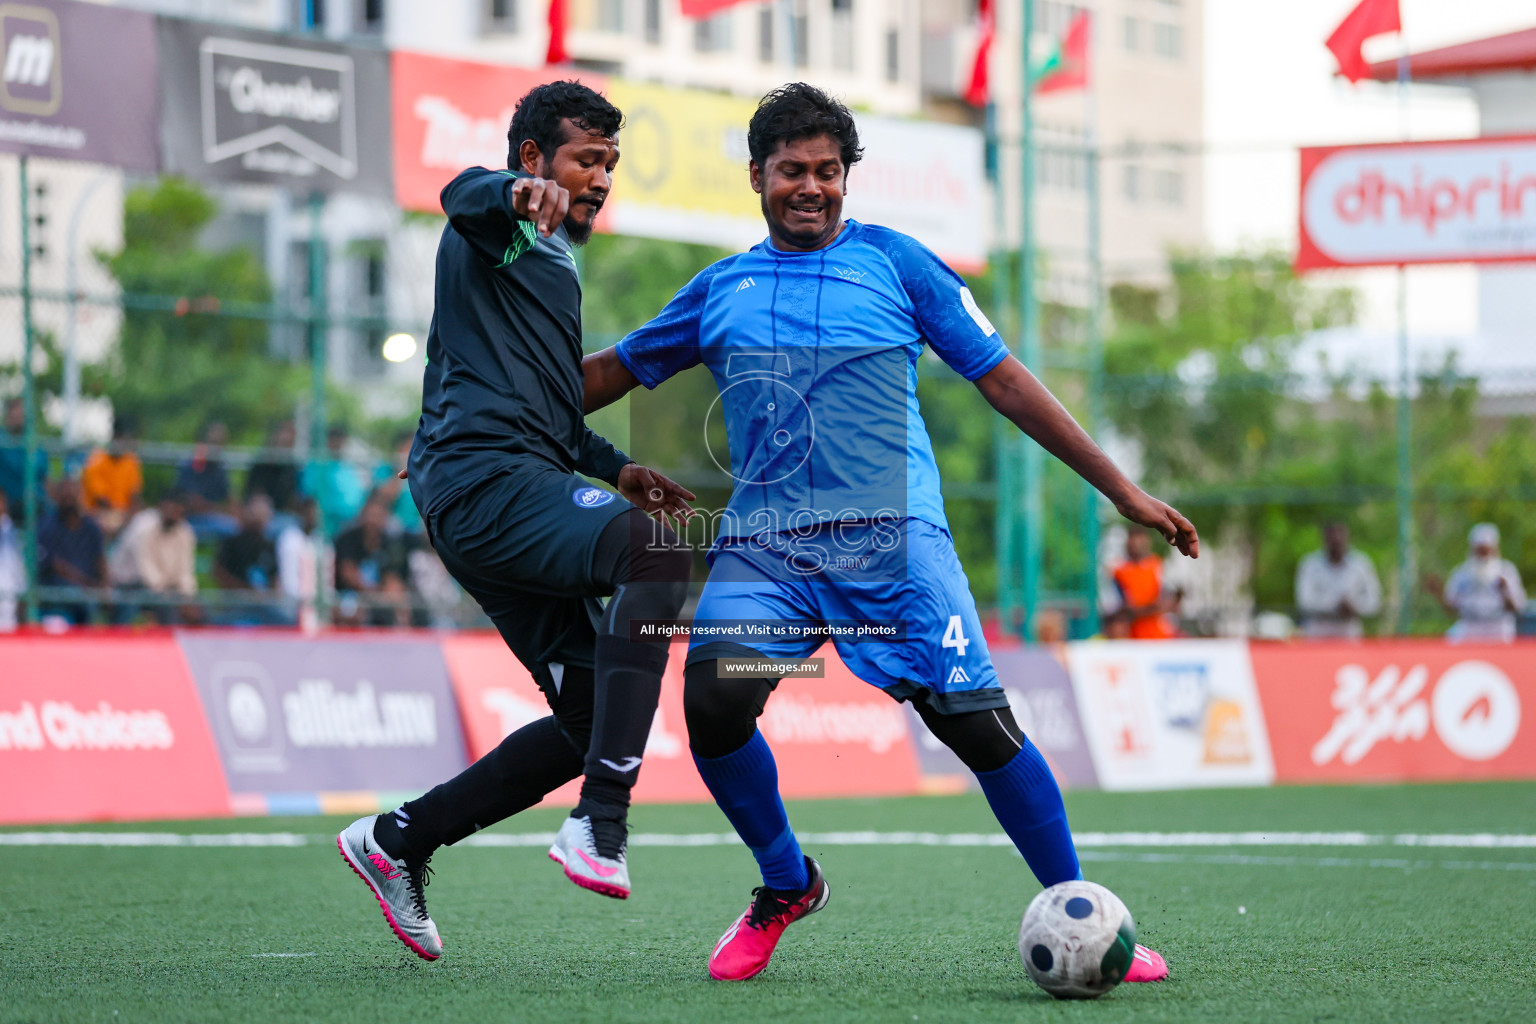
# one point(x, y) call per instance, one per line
point(493, 471)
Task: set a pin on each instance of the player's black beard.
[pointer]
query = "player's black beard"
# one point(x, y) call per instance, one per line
point(580, 232)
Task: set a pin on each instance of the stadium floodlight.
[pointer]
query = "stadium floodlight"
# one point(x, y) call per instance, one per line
point(399, 347)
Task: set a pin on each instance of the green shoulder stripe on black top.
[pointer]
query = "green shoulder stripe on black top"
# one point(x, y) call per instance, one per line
point(521, 242)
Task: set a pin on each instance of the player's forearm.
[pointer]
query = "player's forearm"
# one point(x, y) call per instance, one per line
point(607, 379)
point(1016, 393)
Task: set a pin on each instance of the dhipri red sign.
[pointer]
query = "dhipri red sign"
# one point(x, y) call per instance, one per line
point(1461, 201)
point(106, 730)
point(453, 114)
point(1400, 711)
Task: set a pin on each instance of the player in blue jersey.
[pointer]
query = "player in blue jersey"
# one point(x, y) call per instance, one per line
point(836, 520)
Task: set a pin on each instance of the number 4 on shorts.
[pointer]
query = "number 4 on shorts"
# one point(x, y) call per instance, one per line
point(954, 636)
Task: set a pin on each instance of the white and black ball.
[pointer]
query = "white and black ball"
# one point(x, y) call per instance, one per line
point(1077, 940)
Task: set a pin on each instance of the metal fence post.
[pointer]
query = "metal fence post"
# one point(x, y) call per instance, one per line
point(1029, 339)
point(317, 316)
point(30, 502)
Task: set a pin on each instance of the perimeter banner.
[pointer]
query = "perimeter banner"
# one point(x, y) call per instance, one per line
point(79, 83)
point(1171, 714)
point(1044, 706)
point(1460, 201)
point(1398, 711)
point(327, 715)
point(259, 107)
point(834, 736)
point(451, 114)
point(104, 729)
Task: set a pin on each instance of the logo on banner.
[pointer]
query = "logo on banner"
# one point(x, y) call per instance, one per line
point(793, 718)
point(32, 81)
point(317, 714)
point(279, 109)
point(1474, 710)
point(62, 726)
point(454, 140)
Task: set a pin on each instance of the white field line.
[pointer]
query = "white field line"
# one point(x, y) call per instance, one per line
point(1242, 859)
point(1084, 840)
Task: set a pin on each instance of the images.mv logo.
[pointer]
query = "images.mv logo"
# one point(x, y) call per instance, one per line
point(31, 82)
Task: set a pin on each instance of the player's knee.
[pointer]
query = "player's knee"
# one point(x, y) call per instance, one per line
point(721, 713)
point(984, 740)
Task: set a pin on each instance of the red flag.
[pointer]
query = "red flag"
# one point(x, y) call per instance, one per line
point(705, 8)
point(1370, 18)
point(557, 53)
point(1068, 66)
point(976, 92)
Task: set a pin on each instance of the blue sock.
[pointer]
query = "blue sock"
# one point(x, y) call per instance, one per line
point(1027, 802)
point(745, 783)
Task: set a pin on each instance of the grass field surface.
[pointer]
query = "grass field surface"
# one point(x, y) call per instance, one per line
point(1390, 914)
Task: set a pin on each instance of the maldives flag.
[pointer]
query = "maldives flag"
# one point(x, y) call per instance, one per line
point(706, 8)
point(1067, 68)
point(976, 92)
point(1370, 18)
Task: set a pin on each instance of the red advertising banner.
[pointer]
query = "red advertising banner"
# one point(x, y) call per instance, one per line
point(452, 114)
point(836, 736)
point(1388, 712)
point(105, 729)
point(1459, 201)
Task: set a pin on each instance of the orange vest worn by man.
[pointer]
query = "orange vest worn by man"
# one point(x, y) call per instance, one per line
point(1141, 584)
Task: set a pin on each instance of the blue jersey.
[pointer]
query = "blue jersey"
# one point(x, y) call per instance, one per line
point(815, 355)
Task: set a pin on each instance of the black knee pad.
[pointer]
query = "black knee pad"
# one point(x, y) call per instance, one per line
point(721, 713)
point(984, 740)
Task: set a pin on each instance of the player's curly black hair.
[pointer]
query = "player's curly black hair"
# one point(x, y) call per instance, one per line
point(539, 116)
point(801, 111)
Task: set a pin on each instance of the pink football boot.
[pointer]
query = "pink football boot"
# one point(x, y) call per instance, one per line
point(1147, 965)
point(747, 946)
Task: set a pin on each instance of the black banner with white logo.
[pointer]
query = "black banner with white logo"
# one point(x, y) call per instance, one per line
point(77, 81)
point(259, 107)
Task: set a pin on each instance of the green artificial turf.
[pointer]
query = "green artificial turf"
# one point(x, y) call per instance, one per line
point(922, 933)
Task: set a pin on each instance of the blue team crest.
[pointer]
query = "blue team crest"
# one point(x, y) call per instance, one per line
point(591, 497)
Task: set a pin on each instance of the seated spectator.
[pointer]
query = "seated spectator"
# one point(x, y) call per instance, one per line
point(372, 570)
point(1140, 579)
point(301, 554)
point(387, 479)
point(337, 484)
point(71, 552)
point(13, 569)
point(1485, 592)
point(1336, 587)
point(157, 554)
point(13, 461)
point(205, 483)
point(275, 473)
point(112, 483)
point(248, 561)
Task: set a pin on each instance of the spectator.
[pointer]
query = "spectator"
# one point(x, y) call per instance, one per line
point(387, 479)
point(274, 473)
point(71, 551)
point(1484, 592)
point(205, 483)
point(13, 569)
point(299, 554)
point(1336, 587)
point(1140, 580)
point(336, 484)
point(372, 571)
point(112, 483)
point(157, 554)
point(248, 561)
point(13, 460)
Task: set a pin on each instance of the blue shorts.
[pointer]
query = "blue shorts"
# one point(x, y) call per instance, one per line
point(856, 585)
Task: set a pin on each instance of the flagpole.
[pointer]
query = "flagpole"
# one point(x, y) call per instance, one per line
point(1095, 331)
point(1029, 341)
point(1004, 519)
point(1404, 407)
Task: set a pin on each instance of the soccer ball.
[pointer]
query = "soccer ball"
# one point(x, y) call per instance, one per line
point(1077, 940)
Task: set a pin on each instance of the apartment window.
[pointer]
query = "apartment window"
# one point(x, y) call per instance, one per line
point(800, 33)
point(610, 16)
point(369, 17)
point(1132, 182)
point(308, 15)
point(892, 56)
point(1168, 187)
point(713, 35)
point(765, 20)
point(1131, 34)
point(1167, 40)
point(500, 15)
point(653, 21)
point(842, 35)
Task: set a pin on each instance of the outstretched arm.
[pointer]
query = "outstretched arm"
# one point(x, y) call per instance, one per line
point(1015, 392)
point(607, 379)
